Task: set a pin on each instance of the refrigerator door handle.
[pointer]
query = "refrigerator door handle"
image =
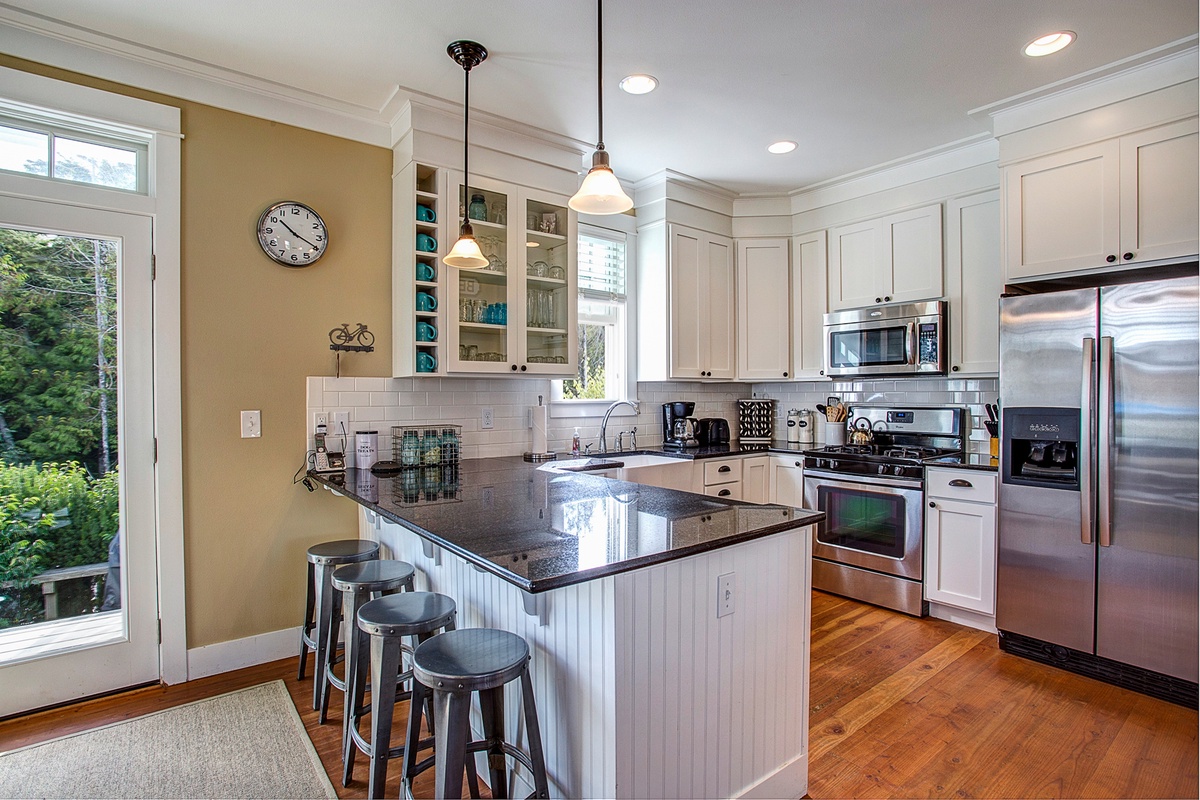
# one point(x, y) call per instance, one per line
point(1104, 445)
point(1087, 442)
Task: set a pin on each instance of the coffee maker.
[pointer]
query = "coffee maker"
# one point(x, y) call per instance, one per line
point(679, 429)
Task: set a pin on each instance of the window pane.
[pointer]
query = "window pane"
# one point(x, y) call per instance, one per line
point(100, 164)
point(601, 265)
point(24, 151)
point(593, 380)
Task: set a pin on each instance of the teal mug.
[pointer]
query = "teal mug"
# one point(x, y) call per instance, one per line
point(425, 214)
point(426, 302)
point(426, 362)
point(426, 332)
point(426, 243)
point(425, 272)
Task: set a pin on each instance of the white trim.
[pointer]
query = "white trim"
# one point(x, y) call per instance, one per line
point(789, 780)
point(214, 659)
point(162, 124)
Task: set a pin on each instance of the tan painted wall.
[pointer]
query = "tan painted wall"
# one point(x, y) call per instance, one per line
point(252, 331)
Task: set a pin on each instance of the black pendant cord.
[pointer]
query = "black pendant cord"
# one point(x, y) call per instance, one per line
point(466, 148)
point(600, 74)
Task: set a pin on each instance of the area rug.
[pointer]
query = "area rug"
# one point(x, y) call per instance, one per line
point(249, 743)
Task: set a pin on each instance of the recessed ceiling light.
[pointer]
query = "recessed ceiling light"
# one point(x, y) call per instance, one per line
point(531, 244)
point(639, 84)
point(1050, 43)
point(781, 147)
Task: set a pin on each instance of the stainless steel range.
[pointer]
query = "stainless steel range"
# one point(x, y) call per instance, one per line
point(871, 544)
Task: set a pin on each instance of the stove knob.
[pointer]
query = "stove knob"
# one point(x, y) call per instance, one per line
point(897, 470)
point(883, 469)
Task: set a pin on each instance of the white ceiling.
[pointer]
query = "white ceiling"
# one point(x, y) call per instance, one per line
point(856, 83)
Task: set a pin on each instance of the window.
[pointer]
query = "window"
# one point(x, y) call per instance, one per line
point(33, 147)
point(605, 364)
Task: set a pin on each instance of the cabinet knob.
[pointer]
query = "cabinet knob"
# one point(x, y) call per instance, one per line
point(878, 299)
point(785, 374)
point(887, 299)
point(797, 463)
point(822, 372)
point(954, 369)
point(514, 367)
point(932, 504)
point(522, 368)
point(1111, 259)
point(1128, 256)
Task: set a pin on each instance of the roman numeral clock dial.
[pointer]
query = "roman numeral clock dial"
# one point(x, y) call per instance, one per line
point(292, 234)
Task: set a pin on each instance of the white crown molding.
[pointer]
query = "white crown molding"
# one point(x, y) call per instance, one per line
point(1140, 74)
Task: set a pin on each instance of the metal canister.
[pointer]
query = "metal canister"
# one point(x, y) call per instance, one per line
point(800, 426)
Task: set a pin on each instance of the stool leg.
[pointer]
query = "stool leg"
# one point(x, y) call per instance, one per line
point(309, 605)
point(453, 713)
point(333, 635)
point(412, 738)
point(541, 783)
point(324, 592)
point(357, 665)
point(385, 666)
point(491, 705)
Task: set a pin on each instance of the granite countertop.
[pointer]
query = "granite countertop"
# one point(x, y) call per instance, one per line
point(541, 528)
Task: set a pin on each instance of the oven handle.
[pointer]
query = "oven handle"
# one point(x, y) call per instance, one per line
point(863, 480)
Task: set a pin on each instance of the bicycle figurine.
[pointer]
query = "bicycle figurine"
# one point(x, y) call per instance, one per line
point(344, 335)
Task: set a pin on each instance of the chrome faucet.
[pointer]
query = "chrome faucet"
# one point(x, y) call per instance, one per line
point(604, 422)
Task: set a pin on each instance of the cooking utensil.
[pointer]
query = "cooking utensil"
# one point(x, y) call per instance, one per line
point(861, 431)
point(991, 411)
point(821, 407)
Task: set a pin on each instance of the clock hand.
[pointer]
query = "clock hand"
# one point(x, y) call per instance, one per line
point(298, 236)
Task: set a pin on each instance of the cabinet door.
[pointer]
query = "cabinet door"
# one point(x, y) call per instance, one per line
point(974, 282)
point(787, 481)
point(719, 326)
point(687, 303)
point(810, 301)
point(419, 334)
point(764, 338)
point(544, 318)
point(960, 554)
point(1160, 211)
point(1062, 211)
point(756, 479)
point(913, 256)
point(855, 265)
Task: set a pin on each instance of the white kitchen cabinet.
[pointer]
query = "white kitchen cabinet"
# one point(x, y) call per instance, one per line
point(686, 312)
point(787, 480)
point(756, 479)
point(810, 301)
point(1117, 202)
point(764, 313)
point(719, 477)
point(974, 282)
point(415, 270)
point(960, 539)
point(892, 259)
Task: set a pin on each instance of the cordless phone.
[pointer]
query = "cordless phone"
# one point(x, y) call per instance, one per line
point(325, 461)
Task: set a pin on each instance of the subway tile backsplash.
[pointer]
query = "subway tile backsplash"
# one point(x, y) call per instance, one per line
point(379, 403)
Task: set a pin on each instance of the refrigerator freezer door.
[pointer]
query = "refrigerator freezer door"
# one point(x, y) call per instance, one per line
point(1045, 585)
point(1147, 577)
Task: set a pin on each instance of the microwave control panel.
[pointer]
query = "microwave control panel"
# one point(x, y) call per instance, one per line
point(927, 343)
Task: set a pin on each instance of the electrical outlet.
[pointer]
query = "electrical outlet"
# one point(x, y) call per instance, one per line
point(320, 418)
point(488, 420)
point(726, 585)
point(251, 424)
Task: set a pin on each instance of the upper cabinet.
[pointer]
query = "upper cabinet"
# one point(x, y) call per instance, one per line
point(892, 259)
point(1117, 202)
point(686, 315)
point(809, 304)
point(764, 310)
point(974, 282)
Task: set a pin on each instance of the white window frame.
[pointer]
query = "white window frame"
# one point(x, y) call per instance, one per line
point(68, 126)
point(66, 106)
point(578, 409)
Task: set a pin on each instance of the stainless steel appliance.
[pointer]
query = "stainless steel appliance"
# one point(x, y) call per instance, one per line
point(901, 339)
point(679, 428)
point(1098, 494)
point(871, 544)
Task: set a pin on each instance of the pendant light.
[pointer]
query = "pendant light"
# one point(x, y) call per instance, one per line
point(466, 253)
point(600, 192)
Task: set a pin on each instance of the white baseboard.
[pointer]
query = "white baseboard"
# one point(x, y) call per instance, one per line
point(972, 619)
point(214, 659)
point(790, 781)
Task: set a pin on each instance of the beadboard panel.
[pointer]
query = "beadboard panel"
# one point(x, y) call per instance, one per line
point(572, 668)
point(722, 706)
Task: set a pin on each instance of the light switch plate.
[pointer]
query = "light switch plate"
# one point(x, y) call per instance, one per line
point(251, 424)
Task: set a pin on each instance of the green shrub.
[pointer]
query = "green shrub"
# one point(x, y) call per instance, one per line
point(84, 512)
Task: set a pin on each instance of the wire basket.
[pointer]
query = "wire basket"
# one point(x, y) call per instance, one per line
point(428, 456)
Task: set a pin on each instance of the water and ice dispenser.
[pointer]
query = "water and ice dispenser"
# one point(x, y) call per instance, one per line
point(1041, 447)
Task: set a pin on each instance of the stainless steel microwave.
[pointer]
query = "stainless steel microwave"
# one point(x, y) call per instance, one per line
point(901, 339)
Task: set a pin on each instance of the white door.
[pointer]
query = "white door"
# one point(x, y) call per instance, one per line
point(44, 662)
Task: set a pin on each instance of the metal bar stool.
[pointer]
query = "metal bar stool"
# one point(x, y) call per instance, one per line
point(354, 585)
point(453, 665)
point(386, 621)
point(323, 559)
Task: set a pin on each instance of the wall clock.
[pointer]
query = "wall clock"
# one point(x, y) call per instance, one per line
point(292, 234)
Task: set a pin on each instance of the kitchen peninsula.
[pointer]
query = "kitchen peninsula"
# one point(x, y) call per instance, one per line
point(647, 686)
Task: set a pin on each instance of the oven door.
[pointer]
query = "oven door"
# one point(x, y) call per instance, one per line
point(874, 523)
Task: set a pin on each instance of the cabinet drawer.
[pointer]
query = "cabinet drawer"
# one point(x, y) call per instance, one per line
point(726, 470)
point(980, 487)
point(729, 491)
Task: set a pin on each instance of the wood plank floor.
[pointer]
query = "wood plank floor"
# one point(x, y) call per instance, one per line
point(901, 707)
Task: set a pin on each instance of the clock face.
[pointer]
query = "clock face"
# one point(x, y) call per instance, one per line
point(292, 234)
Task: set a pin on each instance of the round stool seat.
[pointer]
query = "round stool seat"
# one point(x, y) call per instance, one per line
point(343, 551)
point(372, 576)
point(406, 614)
point(472, 659)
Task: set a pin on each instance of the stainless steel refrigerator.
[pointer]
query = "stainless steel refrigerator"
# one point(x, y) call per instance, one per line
point(1098, 523)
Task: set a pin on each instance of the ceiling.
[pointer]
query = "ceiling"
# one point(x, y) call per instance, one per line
point(857, 83)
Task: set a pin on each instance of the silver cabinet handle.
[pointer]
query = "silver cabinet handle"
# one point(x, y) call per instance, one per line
point(1086, 442)
point(960, 483)
point(1105, 443)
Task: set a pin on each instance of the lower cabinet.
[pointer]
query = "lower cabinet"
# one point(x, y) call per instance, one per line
point(787, 481)
point(719, 477)
point(756, 479)
point(960, 539)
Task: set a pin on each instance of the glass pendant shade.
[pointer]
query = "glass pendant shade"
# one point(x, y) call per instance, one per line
point(600, 192)
point(466, 253)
